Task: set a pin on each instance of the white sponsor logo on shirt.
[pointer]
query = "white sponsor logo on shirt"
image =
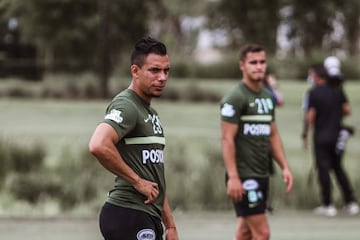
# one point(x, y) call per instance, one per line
point(114, 115)
point(154, 156)
point(227, 110)
point(257, 129)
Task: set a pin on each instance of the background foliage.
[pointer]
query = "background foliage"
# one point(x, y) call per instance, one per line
point(92, 35)
point(77, 51)
point(43, 146)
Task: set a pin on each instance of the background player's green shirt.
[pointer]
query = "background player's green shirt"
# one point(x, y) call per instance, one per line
point(141, 146)
point(253, 112)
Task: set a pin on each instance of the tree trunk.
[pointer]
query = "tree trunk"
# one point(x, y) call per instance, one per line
point(104, 48)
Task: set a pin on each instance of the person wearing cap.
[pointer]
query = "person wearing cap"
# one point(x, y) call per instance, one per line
point(333, 68)
point(327, 105)
point(335, 78)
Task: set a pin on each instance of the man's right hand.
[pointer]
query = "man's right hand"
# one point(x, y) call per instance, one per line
point(149, 189)
point(234, 189)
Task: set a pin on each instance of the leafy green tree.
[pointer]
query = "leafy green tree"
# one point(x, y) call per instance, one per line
point(248, 20)
point(167, 20)
point(3, 24)
point(351, 13)
point(311, 22)
point(88, 32)
point(121, 23)
point(61, 29)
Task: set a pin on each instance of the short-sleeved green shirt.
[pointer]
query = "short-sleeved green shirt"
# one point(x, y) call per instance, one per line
point(141, 146)
point(253, 112)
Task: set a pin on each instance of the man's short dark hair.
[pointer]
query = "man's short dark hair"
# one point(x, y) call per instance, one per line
point(319, 70)
point(144, 47)
point(253, 48)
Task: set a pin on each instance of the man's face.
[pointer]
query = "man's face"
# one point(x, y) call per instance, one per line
point(153, 75)
point(254, 66)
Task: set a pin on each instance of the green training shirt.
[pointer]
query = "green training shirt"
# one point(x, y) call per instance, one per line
point(253, 112)
point(141, 146)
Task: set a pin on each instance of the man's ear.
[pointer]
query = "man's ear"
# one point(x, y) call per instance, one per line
point(134, 70)
point(241, 64)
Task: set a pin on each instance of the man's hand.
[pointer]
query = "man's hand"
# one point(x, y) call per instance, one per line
point(171, 234)
point(304, 141)
point(149, 189)
point(288, 179)
point(234, 189)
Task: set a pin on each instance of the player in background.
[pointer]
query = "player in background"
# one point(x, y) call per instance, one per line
point(248, 132)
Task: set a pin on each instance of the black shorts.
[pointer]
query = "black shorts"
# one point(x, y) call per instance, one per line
point(119, 223)
point(255, 197)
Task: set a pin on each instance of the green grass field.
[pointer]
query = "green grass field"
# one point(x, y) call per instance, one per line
point(285, 225)
point(68, 124)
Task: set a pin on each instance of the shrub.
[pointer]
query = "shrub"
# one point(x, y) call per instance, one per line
point(195, 94)
point(181, 69)
point(26, 159)
point(191, 93)
point(91, 91)
point(304, 194)
point(19, 92)
point(180, 177)
point(34, 187)
point(85, 186)
point(350, 69)
point(220, 70)
point(171, 94)
point(75, 180)
point(211, 192)
point(4, 161)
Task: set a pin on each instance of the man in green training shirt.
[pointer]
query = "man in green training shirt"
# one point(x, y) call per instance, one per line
point(248, 133)
point(129, 143)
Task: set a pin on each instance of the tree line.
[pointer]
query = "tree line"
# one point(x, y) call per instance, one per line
point(95, 34)
point(308, 25)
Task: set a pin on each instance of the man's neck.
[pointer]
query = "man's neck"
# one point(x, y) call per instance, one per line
point(138, 92)
point(253, 85)
point(321, 82)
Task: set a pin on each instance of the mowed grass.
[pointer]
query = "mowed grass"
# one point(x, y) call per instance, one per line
point(285, 225)
point(68, 125)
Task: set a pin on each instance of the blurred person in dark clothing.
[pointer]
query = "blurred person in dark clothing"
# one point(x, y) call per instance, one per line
point(327, 104)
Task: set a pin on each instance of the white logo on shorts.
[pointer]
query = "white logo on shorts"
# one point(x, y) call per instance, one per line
point(146, 234)
point(250, 184)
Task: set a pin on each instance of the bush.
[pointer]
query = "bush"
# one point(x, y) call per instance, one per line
point(211, 192)
point(4, 161)
point(350, 69)
point(195, 94)
point(181, 69)
point(75, 180)
point(26, 159)
point(180, 177)
point(193, 185)
point(87, 183)
point(297, 67)
point(34, 187)
point(224, 69)
point(20, 159)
